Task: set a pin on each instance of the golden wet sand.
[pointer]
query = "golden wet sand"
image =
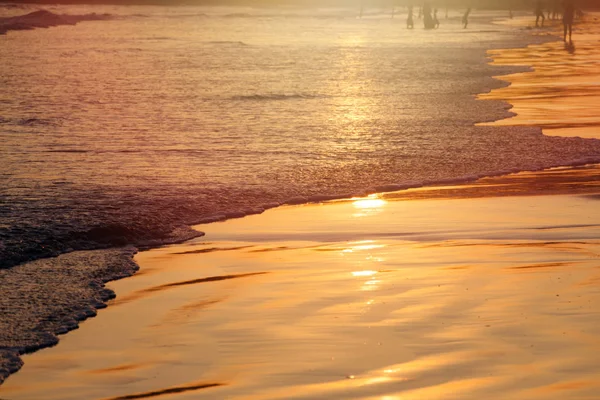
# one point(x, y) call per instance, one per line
point(561, 94)
point(370, 298)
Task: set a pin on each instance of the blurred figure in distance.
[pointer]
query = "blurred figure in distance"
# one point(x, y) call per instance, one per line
point(410, 23)
point(568, 16)
point(539, 13)
point(465, 18)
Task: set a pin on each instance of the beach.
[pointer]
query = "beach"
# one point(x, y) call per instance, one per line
point(555, 94)
point(432, 297)
point(437, 270)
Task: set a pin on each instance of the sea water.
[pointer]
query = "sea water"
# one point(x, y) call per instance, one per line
point(120, 130)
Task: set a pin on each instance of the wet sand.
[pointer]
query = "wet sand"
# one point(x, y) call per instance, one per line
point(561, 93)
point(436, 298)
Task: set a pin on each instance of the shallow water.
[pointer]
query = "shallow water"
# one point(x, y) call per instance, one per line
point(561, 94)
point(365, 299)
point(117, 131)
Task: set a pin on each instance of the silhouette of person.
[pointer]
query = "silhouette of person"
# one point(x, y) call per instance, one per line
point(427, 19)
point(465, 18)
point(568, 16)
point(539, 13)
point(410, 23)
point(436, 21)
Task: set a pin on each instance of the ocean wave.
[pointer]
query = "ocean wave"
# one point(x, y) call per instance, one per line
point(68, 151)
point(227, 43)
point(127, 151)
point(275, 96)
point(160, 38)
point(150, 219)
point(341, 15)
point(46, 19)
point(30, 121)
point(11, 6)
point(263, 15)
point(39, 319)
point(171, 16)
point(196, 15)
point(36, 121)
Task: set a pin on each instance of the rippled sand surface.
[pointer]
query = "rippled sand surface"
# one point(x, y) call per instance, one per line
point(561, 95)
point(443, 298)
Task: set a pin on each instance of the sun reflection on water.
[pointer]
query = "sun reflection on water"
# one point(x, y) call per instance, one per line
point(371, 283)
point(362, 245)
point(368, 206)
point(364, 273)
point(369, 203)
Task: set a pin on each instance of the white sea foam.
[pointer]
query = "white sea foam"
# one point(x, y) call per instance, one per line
point(50, 297)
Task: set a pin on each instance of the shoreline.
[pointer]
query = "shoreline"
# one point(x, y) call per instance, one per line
point(307, 200)
point(112, 229)
point(584, 180)
point(47, 315)
point(559, 87)
point(394, 284)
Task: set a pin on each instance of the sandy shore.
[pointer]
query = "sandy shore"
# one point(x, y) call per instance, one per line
point(483, 290)
point(557, 94)
point(436, 298)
